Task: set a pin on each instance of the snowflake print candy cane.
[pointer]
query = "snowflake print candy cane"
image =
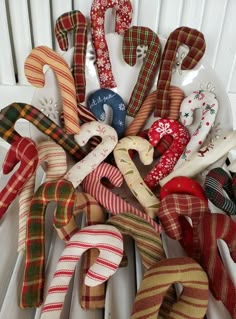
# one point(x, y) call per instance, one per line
point(99, 98)
point(209, 105)
point(84, 167)
point(133, 37)
point(194, 39)
point(34, 64)
point(75, 21)
point(108, 240)
point(167, 162)
point(123, 20)
point(143, 194)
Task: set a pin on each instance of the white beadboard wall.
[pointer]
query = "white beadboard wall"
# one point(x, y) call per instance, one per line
point(25, 24)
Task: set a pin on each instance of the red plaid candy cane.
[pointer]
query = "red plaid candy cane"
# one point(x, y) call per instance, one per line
point(23, 151)
point(75, 21)
point(211, 228)
point(133, 37)
point(133, 179)
point(194, 39)
point(34, 64)
point(108, 240)
point(167, 162)
point(123, 20)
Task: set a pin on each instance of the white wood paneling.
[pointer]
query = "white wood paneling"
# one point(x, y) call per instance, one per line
point(83, 6)
point(149, 14)
point(135, 6)
point(192, 14)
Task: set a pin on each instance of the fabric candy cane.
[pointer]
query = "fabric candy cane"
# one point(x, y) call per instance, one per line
point(34, 64)
point(217, 181)
point(193, 301)
point(123, 20)
point(75, 21)
point(211, 228)
point(23, 151)
point(108, 240)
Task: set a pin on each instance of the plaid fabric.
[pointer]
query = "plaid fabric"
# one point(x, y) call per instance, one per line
point(11, 113)
point(24, 151)
point(63, 193)
point(217, 181)
point(194, 39)
point(211, 228)
point(193, 300)
point(133, 37)
point(75, 21)
point(175, 205)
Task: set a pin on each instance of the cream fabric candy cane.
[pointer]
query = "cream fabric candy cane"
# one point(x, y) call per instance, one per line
point(109, 140)
point(193, 301)
point(143, 194)
point(108, 240)
point(54, 157)
point(206, 101)
point(206, 156)
point(34, 64)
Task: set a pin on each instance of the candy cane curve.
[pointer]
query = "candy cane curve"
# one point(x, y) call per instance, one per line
point(123, 20)
point(194, 39)
point(75, 21)
point(133, 37)
point(167, 162)
point(108, 240)
point(34, 64)
point(143, 194)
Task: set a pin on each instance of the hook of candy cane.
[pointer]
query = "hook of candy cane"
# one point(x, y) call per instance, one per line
point(63, 193)
point(167, 162)
point(194, 39)
point(34, 63)
point(11, 113)
point(134, 37)
point(108, 240)
point(111, 202)
point(206, 156)
point(99, 98)
point(143, 194)
point(123, 20)
point(75, 21)
point(23, 151)
point(209, 105)
point(54, 157)
point(163, 274)
point(109, 140)
point(211, 228)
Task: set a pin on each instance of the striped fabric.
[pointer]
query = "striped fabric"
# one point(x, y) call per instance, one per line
point(216, 182)
point(74, 21)
point(134, 37)
point(175, 205)
point(194, 39)
point(141, 192)
point(11, 113)
point(23, 151)
point(34, 63)
point(111, 202)
point(108, 240)
point(63, 193)
point(54, 157)
point(193, 301)
point(211, 228)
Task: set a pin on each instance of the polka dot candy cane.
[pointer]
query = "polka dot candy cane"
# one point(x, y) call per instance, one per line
point(167, 162)
point(123, 20)
point(194, 39)
point(133, 37)
point(34, 64)
point(23, 152)
point(143, 194)
point(74, 21)
point(208, 103)
point(108, 240)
